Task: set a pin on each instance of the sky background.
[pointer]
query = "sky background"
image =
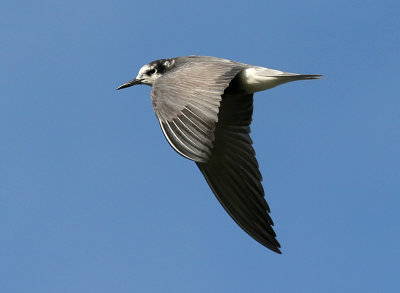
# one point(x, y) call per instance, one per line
point(93, 199)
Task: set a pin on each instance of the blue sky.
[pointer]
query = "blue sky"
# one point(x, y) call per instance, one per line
point(93, 199)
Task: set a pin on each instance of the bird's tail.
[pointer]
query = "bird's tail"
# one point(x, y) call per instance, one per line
point(260, 78)
point(294, 76)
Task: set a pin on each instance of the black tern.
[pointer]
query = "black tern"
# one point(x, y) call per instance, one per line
point(204, 106)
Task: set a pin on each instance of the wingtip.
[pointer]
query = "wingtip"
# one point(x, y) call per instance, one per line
point(274, 247)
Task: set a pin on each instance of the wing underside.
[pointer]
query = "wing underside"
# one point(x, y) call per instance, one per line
point(187, 100)
point(213, 129)
point(233, 174)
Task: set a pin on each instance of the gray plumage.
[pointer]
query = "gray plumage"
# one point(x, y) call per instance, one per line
point(204, 106)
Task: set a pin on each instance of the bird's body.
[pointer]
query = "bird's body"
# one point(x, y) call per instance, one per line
point(204, 106)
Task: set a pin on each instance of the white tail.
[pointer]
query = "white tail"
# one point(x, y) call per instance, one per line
point(257, 79)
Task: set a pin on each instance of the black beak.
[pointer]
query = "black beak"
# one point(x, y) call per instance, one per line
point(129, 83)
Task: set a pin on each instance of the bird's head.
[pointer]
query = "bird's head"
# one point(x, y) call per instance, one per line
point(149, 73)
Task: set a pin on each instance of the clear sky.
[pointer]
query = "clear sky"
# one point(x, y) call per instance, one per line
point(93, 199)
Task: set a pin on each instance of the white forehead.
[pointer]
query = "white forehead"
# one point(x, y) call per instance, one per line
point(144, 69)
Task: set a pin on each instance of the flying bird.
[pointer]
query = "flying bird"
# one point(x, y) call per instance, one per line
point(204, 106)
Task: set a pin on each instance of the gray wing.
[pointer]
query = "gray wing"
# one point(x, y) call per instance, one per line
point(232, 171)
point(186, 101)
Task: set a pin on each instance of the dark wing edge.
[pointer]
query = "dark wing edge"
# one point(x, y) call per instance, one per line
point(232, 171)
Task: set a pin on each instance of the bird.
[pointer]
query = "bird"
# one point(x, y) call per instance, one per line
point(204, 106)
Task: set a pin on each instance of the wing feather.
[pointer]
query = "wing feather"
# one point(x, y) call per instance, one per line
point(205, 121)
point(186, 101)
point(233, 174)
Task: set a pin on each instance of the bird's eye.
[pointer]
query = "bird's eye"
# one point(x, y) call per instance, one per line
point(151, 71)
